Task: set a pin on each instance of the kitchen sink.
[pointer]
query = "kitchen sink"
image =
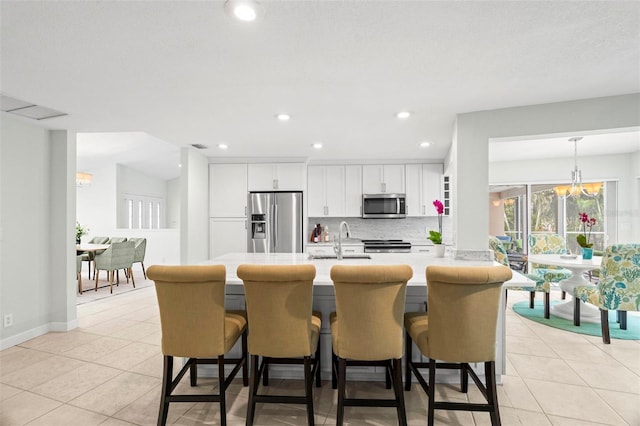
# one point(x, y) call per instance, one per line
point(335, 256)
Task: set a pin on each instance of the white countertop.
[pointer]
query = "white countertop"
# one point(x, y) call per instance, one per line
point(417, 261)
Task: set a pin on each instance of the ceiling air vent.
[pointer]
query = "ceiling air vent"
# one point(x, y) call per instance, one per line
point(27, 109)
point(199, 146)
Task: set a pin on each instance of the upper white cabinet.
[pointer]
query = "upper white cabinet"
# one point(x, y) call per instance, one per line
point(353, 191)
point(379, 179)
point(277, 177)
point(326, 191)
point(227, 190)
point(423, 187)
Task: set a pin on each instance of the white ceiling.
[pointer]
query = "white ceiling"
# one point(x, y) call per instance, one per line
point(184, 72)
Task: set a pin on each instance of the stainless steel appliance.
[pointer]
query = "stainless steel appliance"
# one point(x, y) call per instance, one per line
point(384, 206)
point(275, 222)
point(386, 246)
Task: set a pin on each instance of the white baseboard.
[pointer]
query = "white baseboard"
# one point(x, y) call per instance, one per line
point(37, 331)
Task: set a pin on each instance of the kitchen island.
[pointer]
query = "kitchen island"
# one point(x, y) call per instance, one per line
point(324, 299)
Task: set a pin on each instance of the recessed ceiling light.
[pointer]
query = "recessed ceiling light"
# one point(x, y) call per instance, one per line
point(425, 144)
point(244, 10)
point(223, 146)
point(403, 115)
point(317, 145)
point(283, 117)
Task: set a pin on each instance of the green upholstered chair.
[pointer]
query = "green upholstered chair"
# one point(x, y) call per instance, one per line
point(367, 329)
point(196, 326)
point(141, 248)
point(88, 257)
point(117, 256)
point(548, 244)
point(283, 329)
point(500, 255)
point(618, 288)
point(458, 329)
point(117, 240)
point(79, 272)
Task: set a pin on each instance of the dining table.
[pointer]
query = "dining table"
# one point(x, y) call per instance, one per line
point(578, 266)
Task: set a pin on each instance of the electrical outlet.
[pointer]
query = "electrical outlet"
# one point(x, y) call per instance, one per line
point(8, 320)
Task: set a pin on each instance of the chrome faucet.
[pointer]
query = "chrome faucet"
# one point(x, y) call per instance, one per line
point(338, 248)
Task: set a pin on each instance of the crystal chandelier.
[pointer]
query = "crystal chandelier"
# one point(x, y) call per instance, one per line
point(577, 188)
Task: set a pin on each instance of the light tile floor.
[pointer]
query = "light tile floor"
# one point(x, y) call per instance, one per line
point(108, 372)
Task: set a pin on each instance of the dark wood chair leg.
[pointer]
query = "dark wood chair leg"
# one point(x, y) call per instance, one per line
point(193, 372)
point(334, 370)
point(492, 393)
point(431, 392)
point(408, 350)
point(319, 366)
point(576, 311)
point(547, 304)
point(167, 377)
point(532, 297)
point(604, 321)
point(342, 372)
point(622, 319)
point(253, 390)
point(265, 373)
point(245, 364)
point(308, 392)
point(464, 378)
point(143, 271)
point(564, 294)
point(222, 391)
point(387, 375)
point(397, 387)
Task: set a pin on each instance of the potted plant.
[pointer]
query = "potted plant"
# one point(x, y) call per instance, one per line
point(80, 231)
point(584, 239)
point(436, 236)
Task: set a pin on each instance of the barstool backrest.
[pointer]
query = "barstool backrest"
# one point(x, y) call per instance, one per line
point(370, 303)
point(192, 313)
point(463, 305)
point(279, 307)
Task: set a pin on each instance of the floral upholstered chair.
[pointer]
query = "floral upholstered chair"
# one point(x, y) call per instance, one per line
point(500, 255)
point(618, 288)
point(548, 244)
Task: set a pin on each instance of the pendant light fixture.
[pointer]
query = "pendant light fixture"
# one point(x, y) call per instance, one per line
point(577, 188)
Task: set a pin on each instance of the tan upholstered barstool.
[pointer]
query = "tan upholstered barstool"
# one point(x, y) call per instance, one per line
point(283, 329)
point(367, 328)
point(195, 325)
point(458, 329)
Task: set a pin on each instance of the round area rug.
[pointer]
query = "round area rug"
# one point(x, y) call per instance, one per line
point(537, 314)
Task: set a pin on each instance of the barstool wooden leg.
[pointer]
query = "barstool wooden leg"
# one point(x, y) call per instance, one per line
point(492, 393)
point(318, 366)
point(222, 391)
point(334, 370)
point(408, 343)
point(245, 364)
point(253, 390)
point(464, 378)
point(342, 372)
point(167, 377)
point(308, 389)
point(431, 392)
point(397, 387)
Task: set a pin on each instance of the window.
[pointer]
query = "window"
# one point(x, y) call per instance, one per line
point(144, 212)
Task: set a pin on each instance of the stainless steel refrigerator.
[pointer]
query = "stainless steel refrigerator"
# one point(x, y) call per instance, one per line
point(275, 220)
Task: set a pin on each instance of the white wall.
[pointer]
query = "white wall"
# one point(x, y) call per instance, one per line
point(173, 204)
point(194, 207)
point(37, 262)
point(470, 145)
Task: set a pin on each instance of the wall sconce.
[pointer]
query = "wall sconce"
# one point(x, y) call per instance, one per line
point(83, 179)
point(495, 203)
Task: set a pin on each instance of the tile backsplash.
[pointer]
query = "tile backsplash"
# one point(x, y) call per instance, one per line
point(411, 228)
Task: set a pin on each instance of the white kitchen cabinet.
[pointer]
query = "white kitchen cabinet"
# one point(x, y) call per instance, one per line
point(422, 249)
point(227, 190)
point(326, 191)
point(383, 178)
point(353, 190)
point(423, 187)
point(276, 177)
point(227, 235)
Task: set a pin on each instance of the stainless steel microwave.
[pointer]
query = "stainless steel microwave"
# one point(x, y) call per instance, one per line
point(384, 206)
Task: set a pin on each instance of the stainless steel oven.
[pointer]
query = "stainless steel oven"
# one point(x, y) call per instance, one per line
point(384, 206)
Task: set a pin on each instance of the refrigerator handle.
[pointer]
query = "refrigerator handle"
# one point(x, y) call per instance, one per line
point(274, 221)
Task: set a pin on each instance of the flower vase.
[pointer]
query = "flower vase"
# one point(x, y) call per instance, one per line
point(587, 253)
point(438, 250)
